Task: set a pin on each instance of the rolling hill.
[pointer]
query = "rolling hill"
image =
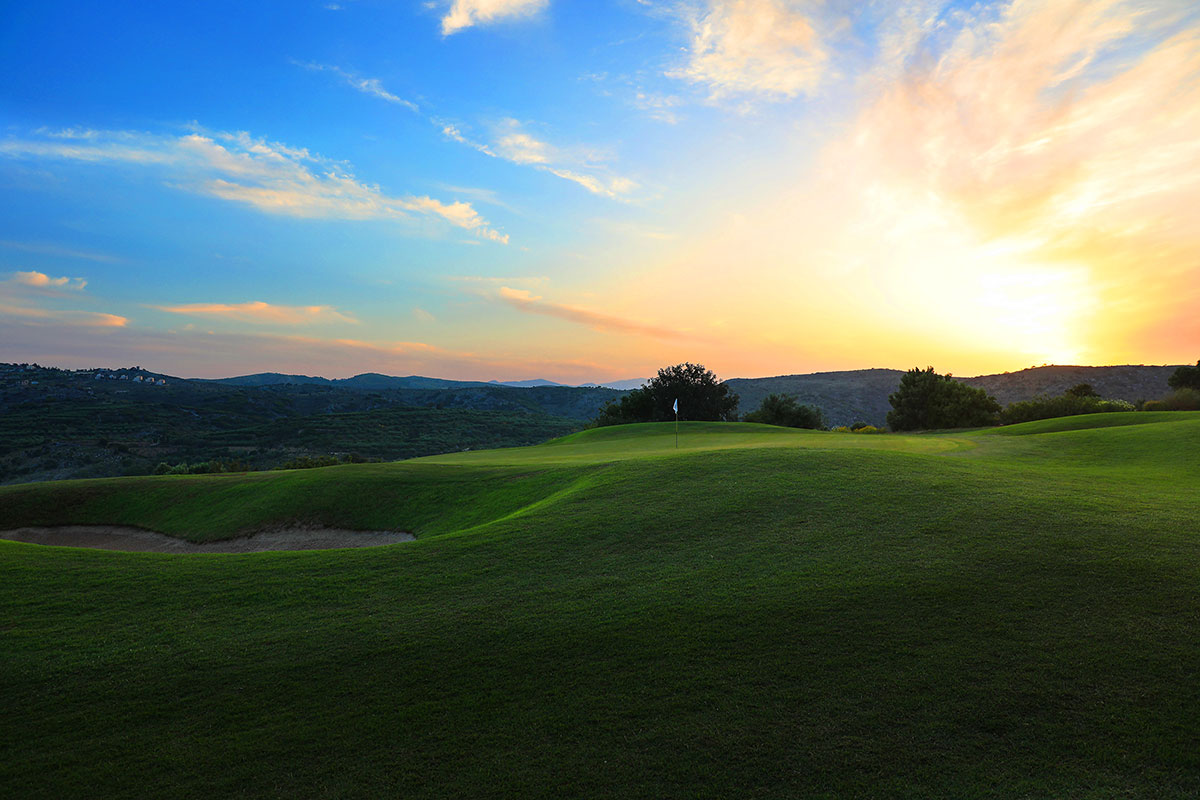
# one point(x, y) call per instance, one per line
point(862, 395)
point(760, 612)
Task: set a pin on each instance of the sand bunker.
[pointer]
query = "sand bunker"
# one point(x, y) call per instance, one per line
point(113, 537)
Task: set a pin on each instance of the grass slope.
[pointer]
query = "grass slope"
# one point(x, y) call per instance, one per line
point(762, 613)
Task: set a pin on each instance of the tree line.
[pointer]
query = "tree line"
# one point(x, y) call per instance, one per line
point(924, 400)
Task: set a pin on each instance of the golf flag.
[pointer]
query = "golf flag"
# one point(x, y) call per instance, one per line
point(675, 407)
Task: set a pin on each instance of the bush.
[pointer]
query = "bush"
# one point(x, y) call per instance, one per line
point(1185, 399)
point(926, 400)
point(1185, 378)
point(1066, 405)
point(700, 394)
point(783, 410)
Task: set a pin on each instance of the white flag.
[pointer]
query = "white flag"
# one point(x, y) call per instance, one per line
point(675, 407)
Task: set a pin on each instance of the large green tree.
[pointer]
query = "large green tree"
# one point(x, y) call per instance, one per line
point(701, 396)
point(926, 400)
point(1185, 378)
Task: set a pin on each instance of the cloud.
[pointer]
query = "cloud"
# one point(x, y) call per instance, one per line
point(1018, 184)
point(525, 301)
point(40, 280)
point(267, 176)
point(465, 13)
point(511, 142)
point(371, 86)
point(55, 250)
point(261, 313)
point(85, 319)
point(765, 48)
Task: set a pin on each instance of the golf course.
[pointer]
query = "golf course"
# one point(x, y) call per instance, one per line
point(746, 612)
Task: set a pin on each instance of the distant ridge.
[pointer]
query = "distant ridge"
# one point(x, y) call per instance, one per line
point(367, 380)
point(375, 380)
point(862, 395)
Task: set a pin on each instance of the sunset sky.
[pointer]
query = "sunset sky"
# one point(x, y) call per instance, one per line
point(587, 190)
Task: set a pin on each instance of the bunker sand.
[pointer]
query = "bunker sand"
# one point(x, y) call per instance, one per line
point(136, 540)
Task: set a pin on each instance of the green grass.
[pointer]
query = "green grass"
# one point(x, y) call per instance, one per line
point(760, 613)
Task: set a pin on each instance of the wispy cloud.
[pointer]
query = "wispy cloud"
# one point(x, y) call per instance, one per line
point(526, 301)
point(465, 13)
point(48, 316)
point(40, 280)
point(371, 86)
point(258, 312)
point(268, 176)
point(42, 248)
point(765, 48)
point(512, 142)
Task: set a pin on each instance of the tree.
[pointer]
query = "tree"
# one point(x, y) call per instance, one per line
point(700, 394)
point(926, 400)
point(1082, 390)
point(784, 410)
point(1185, 378)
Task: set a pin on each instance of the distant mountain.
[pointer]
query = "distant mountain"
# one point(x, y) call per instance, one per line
point(632, 383)
point(367, 380)
point(268, 379)
point(847, 397)
point(375, 381)
point(526, 384)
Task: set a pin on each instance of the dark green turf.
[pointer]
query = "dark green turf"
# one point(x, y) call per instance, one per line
point(779, 614)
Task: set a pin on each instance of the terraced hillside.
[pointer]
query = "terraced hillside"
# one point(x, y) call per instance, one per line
point(759, 613)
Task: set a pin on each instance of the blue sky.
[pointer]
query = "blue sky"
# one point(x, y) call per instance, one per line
point(590, 190)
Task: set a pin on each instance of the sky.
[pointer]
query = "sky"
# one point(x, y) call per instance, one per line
point(589, 190)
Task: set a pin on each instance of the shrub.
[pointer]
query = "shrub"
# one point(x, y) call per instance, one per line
point(1066, 405)
point(926, 400)
point(1185, 399)
point(783, 410)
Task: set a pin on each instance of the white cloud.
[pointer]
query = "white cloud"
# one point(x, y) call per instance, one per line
point(765, 48)
point(371, 86)
point(511, 142)
point(465, 13)
point(268, 176)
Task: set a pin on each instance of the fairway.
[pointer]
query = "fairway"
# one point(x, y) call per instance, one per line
point(760, 612)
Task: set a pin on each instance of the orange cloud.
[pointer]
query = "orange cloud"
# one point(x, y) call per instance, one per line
point(41, 280)
point(258, 312)
point(529, 303)
point(89, 319)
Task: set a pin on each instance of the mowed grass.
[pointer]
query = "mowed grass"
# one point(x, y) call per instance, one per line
point(762, 613)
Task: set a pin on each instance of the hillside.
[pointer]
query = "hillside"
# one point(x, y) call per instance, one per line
point(1131, 382)
point(762, 612)
point(850, 396)
point(59, 424)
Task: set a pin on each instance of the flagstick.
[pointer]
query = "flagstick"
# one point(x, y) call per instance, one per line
point(676, 430)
